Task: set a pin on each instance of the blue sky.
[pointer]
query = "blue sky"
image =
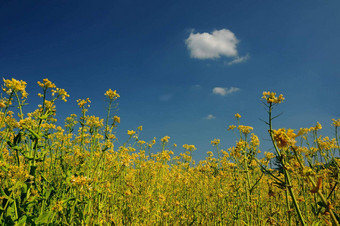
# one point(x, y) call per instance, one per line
point(174, 63)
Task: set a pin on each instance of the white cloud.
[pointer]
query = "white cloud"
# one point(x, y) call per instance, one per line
point(224, 91)
point(238, 60)
point(210, 117)
point(208, 46)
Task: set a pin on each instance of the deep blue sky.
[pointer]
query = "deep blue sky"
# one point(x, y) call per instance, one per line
point(139, 48)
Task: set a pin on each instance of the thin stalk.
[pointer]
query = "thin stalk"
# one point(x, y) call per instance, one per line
point(287, 176)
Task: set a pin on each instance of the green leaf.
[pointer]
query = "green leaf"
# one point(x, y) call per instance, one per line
point(22, 221)
point(17, 139)
point(43, 218)
point(316, 223)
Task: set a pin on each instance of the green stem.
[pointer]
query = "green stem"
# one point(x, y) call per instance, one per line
point(286, 173)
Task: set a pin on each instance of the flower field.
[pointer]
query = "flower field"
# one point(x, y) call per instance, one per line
point(78, 174)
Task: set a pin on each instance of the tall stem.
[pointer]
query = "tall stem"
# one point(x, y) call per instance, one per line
point(286, 173)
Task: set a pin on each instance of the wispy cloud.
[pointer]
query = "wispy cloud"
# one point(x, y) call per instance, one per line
point(210, 117)
point(238, 60)
point(165, 97)
point(224, 91)
point(214, 45)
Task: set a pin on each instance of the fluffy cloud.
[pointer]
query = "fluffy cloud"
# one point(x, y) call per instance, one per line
point(224, 91)
point(218, 43)
point(210, 117)
point(214, 45)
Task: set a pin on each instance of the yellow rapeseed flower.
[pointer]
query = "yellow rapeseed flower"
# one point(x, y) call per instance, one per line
point(46, 84)
point(131, 132)
point(215, 142)
point(237, 116)
point(165, 139)
point(116, 119)
point(270, 97)
point(336, 122)
point(269, 155)
point(81, 103)
point(15, 86)
point(284, 137)
point(60, 93)
point(254, 140)
point(245, 129)
point(231, 127)
point(112, 95)
point(189, 147)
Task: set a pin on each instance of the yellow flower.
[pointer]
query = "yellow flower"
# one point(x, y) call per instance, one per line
point(284, 137)
point(303, 131)
point(140, 128)
point(165, 139)
point(189, 147)
point(215, 142)
point(231, 127)
point(336, 123)
point(237, 116)
point(46, 84)
point(269, 155)
point(270, 97)
point(116, 119)
point(254, 140)
point(245, 129)
point(15, 86)
point(112, 95)
point(81, 103)
point(130, 132)
point(318, 126)
point(141, 142)
point(60, 93)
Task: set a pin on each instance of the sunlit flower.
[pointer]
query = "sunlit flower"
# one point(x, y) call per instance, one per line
point(254, 140)
point(165, 139)
point(81, 103)
point(284, 137)
point(116, 119)
point(46, 84)
point(231, 127)
point(270, 97)
point(336, 122)
point(245, 129)
point(112, 95)
point(215, 142)
point(189, 147)
point(15, 86)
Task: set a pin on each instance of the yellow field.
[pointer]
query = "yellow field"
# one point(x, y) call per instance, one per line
point(76, 175)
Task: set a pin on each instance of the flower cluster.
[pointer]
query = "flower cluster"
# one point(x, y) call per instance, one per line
point(284, 138)
point(112, 95)
point(15, 86)
point(271, 97)
point(245, 129)
point(165, 139)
